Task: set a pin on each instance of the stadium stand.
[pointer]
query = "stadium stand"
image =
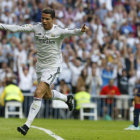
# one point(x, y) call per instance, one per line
point(110, 46)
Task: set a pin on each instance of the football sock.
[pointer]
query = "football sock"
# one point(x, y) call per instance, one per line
point(34, 109)
point(136, 117)
point(58, 96)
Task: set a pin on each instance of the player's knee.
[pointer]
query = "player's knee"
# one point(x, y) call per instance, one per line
point(38, 93)
point(47, 96)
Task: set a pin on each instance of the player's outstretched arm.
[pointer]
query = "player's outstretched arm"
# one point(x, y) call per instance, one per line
point(71, 32)
point(17, 28)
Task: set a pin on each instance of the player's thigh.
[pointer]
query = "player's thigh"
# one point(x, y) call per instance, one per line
point(48, 94)
point(41, 90)
point(50, 75)
point(47, 76)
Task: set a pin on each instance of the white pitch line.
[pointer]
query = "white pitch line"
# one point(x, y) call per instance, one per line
point(49, 132)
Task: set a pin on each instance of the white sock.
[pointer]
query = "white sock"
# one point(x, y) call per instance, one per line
point(58, 96)
point(34, 109)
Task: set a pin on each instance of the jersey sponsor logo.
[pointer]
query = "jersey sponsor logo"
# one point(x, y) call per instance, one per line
point(44, 39)
point(52, 35)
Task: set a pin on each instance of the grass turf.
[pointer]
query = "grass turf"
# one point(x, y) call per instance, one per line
point(69, 130)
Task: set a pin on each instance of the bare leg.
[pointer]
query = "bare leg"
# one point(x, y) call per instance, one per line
point(35, 106)
point(43, 91)
point(53, 94)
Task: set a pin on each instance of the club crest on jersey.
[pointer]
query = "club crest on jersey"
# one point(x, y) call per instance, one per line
point(52, 35)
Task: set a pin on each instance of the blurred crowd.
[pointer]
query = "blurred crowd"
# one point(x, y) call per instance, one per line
point(109, 50)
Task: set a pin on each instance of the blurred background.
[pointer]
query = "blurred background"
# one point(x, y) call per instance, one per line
point(100, 67)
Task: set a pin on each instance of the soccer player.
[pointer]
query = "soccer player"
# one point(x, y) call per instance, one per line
point(135, 125)
point(48, 39)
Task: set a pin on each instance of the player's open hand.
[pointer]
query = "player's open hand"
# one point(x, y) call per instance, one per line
point(84, 28)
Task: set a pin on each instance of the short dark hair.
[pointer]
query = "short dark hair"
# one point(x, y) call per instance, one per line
point(49, 11)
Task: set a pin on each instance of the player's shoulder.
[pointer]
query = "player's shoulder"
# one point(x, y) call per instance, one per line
point(31, 25)
point(37, 24)
point(58, 27)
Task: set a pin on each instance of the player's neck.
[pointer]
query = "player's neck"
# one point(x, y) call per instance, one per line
point(49, 28)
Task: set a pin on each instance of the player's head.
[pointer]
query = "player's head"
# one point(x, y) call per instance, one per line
point(48, 15)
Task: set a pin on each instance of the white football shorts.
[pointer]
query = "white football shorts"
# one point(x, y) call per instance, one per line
point(48, 75)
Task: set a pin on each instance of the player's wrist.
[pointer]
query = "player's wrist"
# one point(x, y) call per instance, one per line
point(82, 30)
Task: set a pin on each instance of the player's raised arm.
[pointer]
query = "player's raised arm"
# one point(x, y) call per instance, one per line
point(17, 28)
point(70, 32)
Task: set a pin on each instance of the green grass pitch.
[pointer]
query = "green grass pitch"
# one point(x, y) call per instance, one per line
point(69, 130)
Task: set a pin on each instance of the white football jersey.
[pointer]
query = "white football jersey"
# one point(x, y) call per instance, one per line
point(48, 42)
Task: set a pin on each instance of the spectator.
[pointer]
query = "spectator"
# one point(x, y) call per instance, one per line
point(108, 4)
point(7, 17)
point(107, 74)
point(109, 20)
point(11, 92)
point(111, 42)
point(7, 4)
point(126, 28)
point(80, 97)
point(69, 13)
point(76, 69)
point(20, 56)
point(79, 14)
point(3, 71)
point(81, 83)
point(135, 125)
point(82, 51)
point(123, 80)
point(66, 73)
point(63, 87)
point(94, 81)
point(36, 12)
point(109, 103)
point(102, 12)
point(26, 78)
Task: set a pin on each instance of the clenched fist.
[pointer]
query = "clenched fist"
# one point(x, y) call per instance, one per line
point(84, 28)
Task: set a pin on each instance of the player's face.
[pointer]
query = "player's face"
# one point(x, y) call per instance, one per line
point(47, 21)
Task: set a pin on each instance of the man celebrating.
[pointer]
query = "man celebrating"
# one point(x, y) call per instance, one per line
point(48, 39)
